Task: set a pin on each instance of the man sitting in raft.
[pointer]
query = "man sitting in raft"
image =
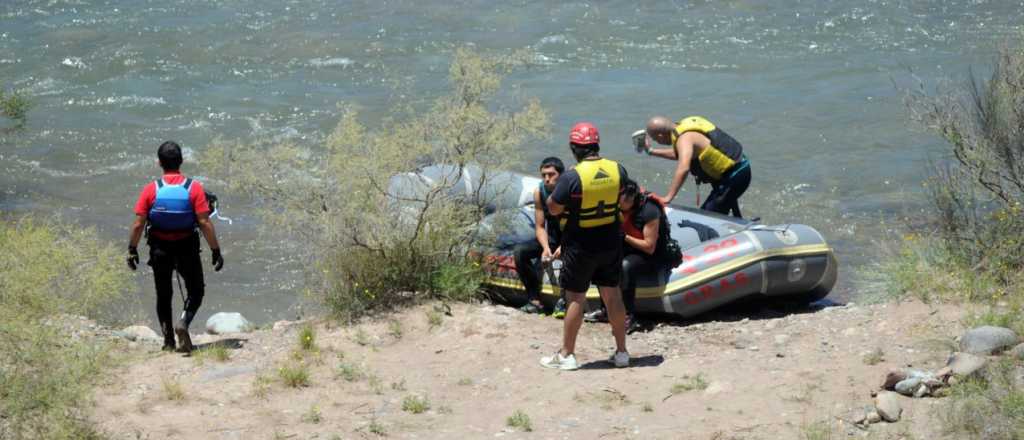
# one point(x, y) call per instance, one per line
point(645, 246)
point(530, 257)
point(703, 150)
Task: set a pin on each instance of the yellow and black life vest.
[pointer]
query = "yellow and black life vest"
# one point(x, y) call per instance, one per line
point(599, 180)
point(712, 163)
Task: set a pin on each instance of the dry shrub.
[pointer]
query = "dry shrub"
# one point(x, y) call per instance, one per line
point(977, 186)
point(49, 269)
point(378, 241)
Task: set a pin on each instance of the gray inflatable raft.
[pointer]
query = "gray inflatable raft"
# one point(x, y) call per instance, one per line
point(725, 259)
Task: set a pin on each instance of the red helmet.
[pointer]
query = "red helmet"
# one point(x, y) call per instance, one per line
point(584, 133)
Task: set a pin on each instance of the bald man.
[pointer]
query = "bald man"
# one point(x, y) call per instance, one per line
point(704, 150)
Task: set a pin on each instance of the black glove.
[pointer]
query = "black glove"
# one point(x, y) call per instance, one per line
point(218, 260)
point(133, 257)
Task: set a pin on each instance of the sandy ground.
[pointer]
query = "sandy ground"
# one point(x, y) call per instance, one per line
point(757, 374)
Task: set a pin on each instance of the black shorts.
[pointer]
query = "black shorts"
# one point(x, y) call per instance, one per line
point(580, 268)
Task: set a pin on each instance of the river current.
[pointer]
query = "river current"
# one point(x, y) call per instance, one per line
point(813, 89)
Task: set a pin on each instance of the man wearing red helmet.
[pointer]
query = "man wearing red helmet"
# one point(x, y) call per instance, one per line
point(591, 242)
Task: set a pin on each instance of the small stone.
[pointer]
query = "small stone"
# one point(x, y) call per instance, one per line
point(888, 406)
point(535, 346)
point(965, 364)
point(281, 325)
point(138, 333)
point(1018, 351)
point(222, 322)
point(908, 386)
point(987, 340)
point(921, 391)
point(873, 416)
point(852, 331)
point(781, 339)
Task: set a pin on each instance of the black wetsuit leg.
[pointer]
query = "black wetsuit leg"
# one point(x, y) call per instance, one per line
point(190, 266)
point(182, 255)
point(725, 195)
point(528, 267)
point(633, 264)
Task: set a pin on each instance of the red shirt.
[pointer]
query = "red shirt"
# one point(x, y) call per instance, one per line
point(196, 195)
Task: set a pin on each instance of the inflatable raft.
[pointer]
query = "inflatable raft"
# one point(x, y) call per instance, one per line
point(725, 259)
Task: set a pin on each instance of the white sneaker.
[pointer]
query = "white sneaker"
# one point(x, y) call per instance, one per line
point(620, 359)
point(560, 362)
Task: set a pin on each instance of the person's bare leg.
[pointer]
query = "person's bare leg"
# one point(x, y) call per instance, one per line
point(573, 320)
point(612, 297)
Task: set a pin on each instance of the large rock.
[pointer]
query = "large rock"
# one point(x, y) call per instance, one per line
point(987, 340)
point(138, 333)
point(965, 364)
point(223, 322)
point(887, 404)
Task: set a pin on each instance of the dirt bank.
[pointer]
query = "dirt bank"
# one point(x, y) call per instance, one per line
point(771, 375)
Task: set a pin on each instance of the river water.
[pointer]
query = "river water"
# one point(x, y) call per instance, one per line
point(811, 88)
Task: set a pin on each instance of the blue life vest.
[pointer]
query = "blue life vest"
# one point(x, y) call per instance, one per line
point(172, 209)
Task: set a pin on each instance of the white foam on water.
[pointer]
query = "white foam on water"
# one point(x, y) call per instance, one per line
point(74, 62)
point(121, 101)
point(331, 62)
point(554, 39)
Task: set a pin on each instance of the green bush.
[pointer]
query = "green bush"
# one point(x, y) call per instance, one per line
point(49, 269)
point(977, 186)
point(372, 250)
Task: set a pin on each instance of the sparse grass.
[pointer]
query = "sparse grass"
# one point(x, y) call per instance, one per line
point(690, 383)
point(376, 384)
point(313, 415)
point(821, 430)
point(874, 357)
point(1010, 316)
point(519, 420)
point(434, 319)
point(465, 382)
point(173, 390)
point(398, 386)
point(415, 404)
point(307, 338)
point(395, 328)
point(216, 352)
point(360, 337)
point(611, 399)
point(989, 406)
point(261, 386)
point(805, 396)
point(377, 428)
point(646, 407)
point(294, 375)
point(349, 372)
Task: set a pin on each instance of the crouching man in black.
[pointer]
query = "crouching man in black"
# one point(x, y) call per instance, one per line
point(532, 256)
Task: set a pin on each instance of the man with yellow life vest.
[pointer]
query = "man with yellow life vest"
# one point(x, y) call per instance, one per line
point(591, 242)
point(704, 150)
